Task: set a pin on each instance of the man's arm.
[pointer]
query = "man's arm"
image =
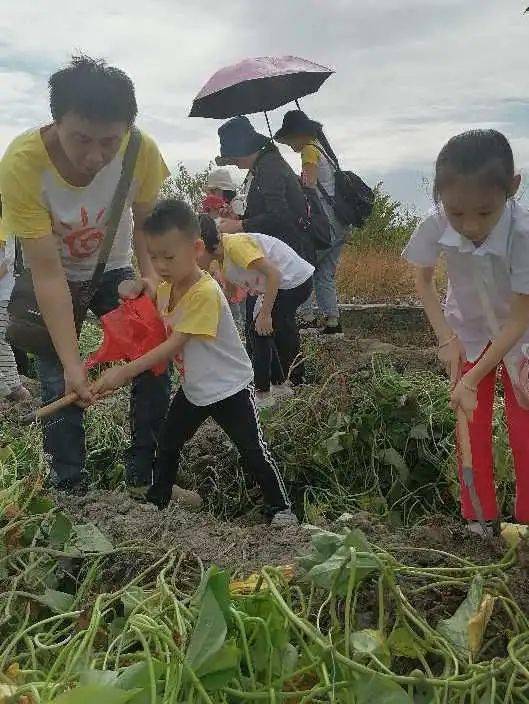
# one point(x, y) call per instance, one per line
point(145, 266)
point(55, 304)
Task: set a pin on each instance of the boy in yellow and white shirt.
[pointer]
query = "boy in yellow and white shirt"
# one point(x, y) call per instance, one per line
point(282, 280)
point(216, 373)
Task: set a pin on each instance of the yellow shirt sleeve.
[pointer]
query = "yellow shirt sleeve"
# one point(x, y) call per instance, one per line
point(198, 313)
point(310, 155)
point(151, 171)
point(23, 212)
point(242, 249)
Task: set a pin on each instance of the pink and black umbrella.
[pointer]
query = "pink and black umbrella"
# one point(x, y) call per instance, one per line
point(258, 85)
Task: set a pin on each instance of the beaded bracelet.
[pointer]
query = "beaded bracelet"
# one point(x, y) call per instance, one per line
point(467, 386)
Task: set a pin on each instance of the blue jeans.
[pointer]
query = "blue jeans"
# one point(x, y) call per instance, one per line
point(324, 276)
point(64, 437)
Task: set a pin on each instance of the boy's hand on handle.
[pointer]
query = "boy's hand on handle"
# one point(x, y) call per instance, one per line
point(451, 354)
point(464, 397)
point(110, 380)
point(131, 288)
point(76, 380)
point(263, 324)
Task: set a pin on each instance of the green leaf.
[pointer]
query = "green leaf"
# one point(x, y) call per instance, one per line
point(61, 530)
point(136, 677)
point(98, 678)
point(334, 443)
point(393, 458)
point(88, 538)
point(404, 643)
point(60, 602)
point(455, 628)
point(131, 598)
point(367, 641)
point(219, 670)
point(419, 432)
point(209, 633)
point(90, 694)
point(39, 505)
point(380, 690)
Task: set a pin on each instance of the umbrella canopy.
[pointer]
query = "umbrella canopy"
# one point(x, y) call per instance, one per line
point(258, 85)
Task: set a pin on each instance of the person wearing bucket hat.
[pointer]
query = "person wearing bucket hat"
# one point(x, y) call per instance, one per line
point(305, 136)
point(275, 203)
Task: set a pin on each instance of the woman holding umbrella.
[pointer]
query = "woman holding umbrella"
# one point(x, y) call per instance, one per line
point(306, 137)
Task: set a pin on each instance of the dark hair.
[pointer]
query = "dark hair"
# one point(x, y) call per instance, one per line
point(169, 214)
point(93, 90)
point(209, 232)
point(485, 154)
point(229, 195)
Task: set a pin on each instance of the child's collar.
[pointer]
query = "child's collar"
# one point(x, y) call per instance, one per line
point(496, 243)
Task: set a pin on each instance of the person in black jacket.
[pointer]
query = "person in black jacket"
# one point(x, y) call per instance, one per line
point(275, 206)
point(275, 203)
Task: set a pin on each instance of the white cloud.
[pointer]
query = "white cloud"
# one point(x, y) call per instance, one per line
point(408, 74)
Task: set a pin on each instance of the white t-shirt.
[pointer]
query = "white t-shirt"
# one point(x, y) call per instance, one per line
point(242, 249)
point(37, 201)
point(501, 261)
point(7, 256)
point(214, 364)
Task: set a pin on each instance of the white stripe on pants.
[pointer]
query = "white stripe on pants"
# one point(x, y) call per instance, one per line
point(9, 379)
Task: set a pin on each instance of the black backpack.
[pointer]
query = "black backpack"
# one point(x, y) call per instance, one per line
point(353, 199)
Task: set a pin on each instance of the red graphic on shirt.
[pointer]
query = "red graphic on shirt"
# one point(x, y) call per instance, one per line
point(84, 241)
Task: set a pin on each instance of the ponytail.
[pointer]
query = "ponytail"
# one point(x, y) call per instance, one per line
point(209, 232)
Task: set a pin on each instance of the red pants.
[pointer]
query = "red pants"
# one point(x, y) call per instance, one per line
point(481, 442)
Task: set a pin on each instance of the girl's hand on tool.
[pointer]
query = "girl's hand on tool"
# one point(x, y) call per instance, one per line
point(110, 380)
point(264, 324)
point(465, 397)
point(451, 354)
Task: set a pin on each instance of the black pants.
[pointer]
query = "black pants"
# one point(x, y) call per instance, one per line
point(239, 418)
point(63, 433)
point(273, 356)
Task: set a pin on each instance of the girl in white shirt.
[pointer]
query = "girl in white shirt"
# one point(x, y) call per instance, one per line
point(484, 235)
point(11, 388)
point(282, 280)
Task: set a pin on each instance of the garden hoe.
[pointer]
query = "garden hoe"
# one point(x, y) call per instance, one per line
point(467, 469)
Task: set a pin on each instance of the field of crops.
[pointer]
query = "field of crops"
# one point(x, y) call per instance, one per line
point(382, 599)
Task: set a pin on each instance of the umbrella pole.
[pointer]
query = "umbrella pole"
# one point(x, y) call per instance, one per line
point(268, 123)
point(297, 104)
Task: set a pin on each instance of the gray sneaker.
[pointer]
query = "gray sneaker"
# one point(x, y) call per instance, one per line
point(284, 519)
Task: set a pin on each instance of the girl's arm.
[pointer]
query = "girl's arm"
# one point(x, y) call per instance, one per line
point(118, 376)
point(450, 350)
point(263, 323)
point(464, 394)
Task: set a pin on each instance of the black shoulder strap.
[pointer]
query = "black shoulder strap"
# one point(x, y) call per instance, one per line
point(118, 203)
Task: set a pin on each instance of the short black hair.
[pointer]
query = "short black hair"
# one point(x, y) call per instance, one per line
point(171, 213)
point(484, 154)
point(209, 232)
point(92, 89)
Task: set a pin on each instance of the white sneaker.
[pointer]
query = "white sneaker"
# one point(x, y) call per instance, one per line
point(264, 399)
point(282, 390)
point(284, 519)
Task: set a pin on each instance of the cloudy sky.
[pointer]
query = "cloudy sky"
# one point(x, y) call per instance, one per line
point(409, 74)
